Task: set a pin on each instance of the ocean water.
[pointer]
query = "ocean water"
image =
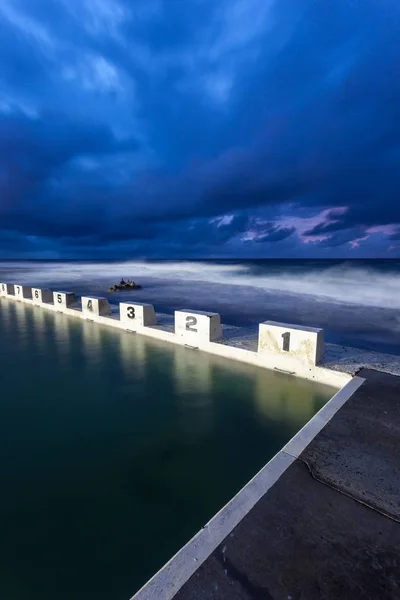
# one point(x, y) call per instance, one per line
point(115, 449)
point(356, 302)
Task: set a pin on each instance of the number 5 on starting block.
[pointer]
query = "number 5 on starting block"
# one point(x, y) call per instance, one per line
point(197, 325)
point(137, 315)
point(64, 300)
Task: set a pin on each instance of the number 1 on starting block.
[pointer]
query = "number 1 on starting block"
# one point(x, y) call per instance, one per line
point(291, 342)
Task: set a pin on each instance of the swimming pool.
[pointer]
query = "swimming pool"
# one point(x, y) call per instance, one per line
point(115, 449)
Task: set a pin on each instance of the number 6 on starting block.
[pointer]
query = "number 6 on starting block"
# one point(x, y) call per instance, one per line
point(42, 296)
point(94, 306)
point(303, 344)
point(197, 325)
point(137, 315)
point(64, 300)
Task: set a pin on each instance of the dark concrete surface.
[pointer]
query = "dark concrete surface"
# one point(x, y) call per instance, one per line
point(306, 540)
point(359, 450)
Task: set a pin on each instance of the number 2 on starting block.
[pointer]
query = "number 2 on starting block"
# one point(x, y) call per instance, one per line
point(197, 325)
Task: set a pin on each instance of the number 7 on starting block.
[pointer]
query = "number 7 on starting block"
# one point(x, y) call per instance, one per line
point(22, 291)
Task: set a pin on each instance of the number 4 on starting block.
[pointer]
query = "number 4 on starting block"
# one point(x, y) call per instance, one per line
point(94, 306)
point(197, 325)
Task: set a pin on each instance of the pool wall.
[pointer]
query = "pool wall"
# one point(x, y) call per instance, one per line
point(292, 349)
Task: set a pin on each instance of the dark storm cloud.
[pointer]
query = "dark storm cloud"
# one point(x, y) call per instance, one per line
point(144, 123)
point(276, 234)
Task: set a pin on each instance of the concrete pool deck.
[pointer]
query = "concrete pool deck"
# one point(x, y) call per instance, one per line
point(328, 527)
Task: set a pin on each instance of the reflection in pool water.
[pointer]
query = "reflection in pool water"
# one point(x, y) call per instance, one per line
point(115, 449)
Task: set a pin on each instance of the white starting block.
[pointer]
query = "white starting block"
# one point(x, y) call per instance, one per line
point(291, 343)
point(42, 296)
point(137, 315)
point(7, 289)
point(64, 300)
point(198, 325)
point(22, 291)
point(95, 306)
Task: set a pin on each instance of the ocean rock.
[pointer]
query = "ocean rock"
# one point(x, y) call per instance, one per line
point(124, 285)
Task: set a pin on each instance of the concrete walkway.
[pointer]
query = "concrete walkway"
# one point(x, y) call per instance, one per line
point(330, 527)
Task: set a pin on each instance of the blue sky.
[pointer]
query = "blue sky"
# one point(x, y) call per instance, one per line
point(195, 128)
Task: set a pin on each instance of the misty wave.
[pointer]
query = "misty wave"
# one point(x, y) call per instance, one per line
point(345, 283)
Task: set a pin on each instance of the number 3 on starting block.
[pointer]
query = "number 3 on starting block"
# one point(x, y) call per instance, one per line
point(137, 315)
point(197, 325)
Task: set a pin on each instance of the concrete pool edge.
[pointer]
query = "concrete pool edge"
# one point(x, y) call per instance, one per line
point(324, 373)
point(177, 571)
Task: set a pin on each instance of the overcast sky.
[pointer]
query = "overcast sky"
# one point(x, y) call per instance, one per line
point(180, 128)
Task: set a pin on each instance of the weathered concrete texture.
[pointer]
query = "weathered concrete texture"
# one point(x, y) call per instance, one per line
point(310, 541)
point(351, 360)
point(359, 450)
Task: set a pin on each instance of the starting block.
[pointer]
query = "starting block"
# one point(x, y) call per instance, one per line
point(22, 291)
point(137, 315)
point(7, 289)
point(197, 325)
point(95, 306)
point(64, 300)
point(303, 344)
point(42, 296)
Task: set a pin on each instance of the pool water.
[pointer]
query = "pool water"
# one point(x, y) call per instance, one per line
point(115, 450)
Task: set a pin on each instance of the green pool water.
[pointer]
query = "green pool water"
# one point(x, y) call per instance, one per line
point(116, 449)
